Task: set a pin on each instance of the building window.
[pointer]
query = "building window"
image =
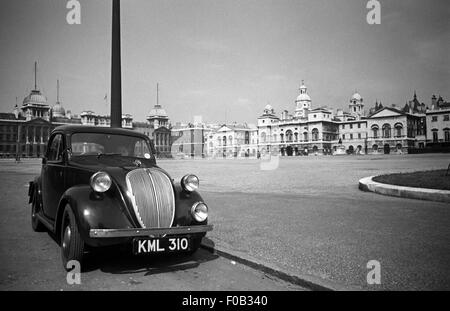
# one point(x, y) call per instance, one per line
point(386, 131)
point(263, 137)
point(359, 125)
point(351, 136)
point(434, 119)
point(375, 132)
point(351, 126)
point(315, 134)
point(343, 136)
point(446, 117)
point(343, 126)
point(359, 135)
point(289, 136)
point(375, 148)
point(398, 130)
point(447, 136)
point(435, 136)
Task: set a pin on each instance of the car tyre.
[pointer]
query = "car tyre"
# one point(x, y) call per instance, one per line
point(72, 244)
point(35, 223)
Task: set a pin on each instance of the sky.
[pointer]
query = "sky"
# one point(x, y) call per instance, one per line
point(225, 59)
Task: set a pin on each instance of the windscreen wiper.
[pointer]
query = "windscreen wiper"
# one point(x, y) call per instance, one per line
point(106, 154)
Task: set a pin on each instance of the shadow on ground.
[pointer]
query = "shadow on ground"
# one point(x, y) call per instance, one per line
point(120, 260)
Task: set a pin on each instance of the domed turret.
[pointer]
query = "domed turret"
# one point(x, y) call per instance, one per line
point(302, 103)
point(35, 98)
point(58, 110)
point(356, 97)
point(356, 105)
point(158, 116)
point(35, 104)
point(157, 111)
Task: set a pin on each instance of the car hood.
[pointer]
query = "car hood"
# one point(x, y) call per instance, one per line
point(116, 166)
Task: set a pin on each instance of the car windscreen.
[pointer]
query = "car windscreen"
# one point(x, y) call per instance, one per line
point(109, 144)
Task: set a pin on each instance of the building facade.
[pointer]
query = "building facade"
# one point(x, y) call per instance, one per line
point(232, 141)
point(24, 132)
point(188, 141)
point(322, 131)
point(438, 123)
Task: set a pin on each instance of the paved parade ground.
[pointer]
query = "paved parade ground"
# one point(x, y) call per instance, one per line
point(306, 217)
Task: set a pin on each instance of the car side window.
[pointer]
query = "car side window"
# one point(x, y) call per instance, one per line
point(55, 149)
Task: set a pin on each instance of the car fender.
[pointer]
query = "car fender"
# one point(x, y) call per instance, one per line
point(93, 210)
point(184, 201)
point(35, 184)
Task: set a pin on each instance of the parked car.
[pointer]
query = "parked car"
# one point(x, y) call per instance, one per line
point(102, 186)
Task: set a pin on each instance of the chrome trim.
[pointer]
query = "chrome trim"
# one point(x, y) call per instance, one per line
point(183, 182)
point(193, 209)
point(152, 196)
point(91, 180)
point(135, 232)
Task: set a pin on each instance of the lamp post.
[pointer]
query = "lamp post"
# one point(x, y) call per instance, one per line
point(116, 72)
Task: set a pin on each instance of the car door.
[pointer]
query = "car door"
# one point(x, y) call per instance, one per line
point(53, 175)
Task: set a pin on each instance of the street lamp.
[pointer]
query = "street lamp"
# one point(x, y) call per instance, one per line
point(116, 72)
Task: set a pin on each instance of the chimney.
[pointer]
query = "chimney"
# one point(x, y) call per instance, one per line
point(433, 102)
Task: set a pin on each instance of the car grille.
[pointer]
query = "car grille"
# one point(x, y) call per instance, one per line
point(153, 198)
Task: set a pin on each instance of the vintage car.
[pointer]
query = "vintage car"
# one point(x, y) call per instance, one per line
point(101, 186)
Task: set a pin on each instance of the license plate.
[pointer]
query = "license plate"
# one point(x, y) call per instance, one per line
point(161, 245)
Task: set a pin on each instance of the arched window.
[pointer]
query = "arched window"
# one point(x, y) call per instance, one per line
point(230, 139)
point(288, 136)
point(315, 134)
point(435, 135)
point(263, 137)
point(282, 137)
point(375, 131)
point(398, 129)
point(224, 140)
point(447, 135)
point(305, 136)
point(386, 131)
point(296, 137)
point(375, 147)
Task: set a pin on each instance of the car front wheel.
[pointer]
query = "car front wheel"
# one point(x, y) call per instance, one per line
point(72, 245)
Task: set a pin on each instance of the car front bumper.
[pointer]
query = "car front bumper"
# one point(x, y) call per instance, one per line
point(136, 232)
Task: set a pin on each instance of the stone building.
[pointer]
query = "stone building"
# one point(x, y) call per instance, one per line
point(188, 140)
point(438, 123)
point(232, 141)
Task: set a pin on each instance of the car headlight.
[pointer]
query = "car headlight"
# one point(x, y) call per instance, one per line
point(190, 183)
point(199, 211)
point(101, 182)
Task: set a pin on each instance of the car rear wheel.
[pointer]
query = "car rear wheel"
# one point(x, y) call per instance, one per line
point(35, 208)
point(72, 245)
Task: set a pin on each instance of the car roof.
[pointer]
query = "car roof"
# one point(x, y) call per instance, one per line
point(70, 129)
